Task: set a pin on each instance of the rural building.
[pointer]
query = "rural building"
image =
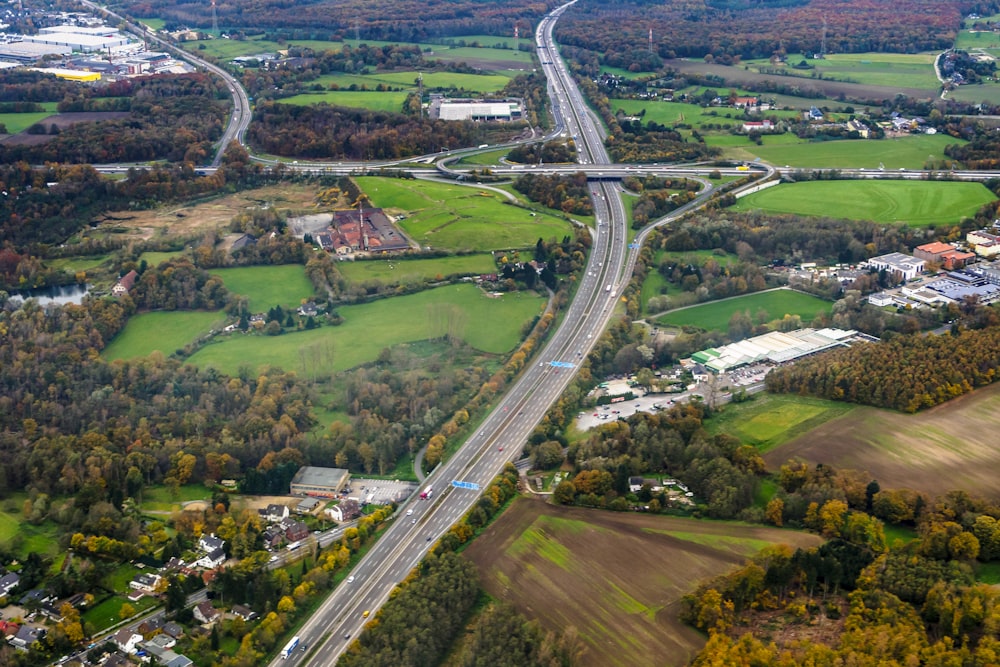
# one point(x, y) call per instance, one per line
point(986, 244)
point(855, 125)
point(204, 612)
point(745, 102)
point(123, 286)
point(345, 511)
point(944, 254)
point(145, 582)
point(757, 126)
point(8, 582)
point(364, 230)
point(320, 482)
point(307, 505)
point(907, 266)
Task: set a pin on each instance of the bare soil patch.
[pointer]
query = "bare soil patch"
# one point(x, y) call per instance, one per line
point(617, 578)
point(951, 446)
point(206, 214)
point(64, 120)
point(25, 139)
point(736, 76)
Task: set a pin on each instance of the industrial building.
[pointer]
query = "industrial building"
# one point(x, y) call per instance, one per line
point(69, 74)
point(29, 52)
point(476, 110)
point(320, 482)
point(776, 347)
point(907, 266)
point(78, 42)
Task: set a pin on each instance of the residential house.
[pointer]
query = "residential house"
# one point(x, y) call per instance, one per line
point(150, 627)
point(9, 582)
point(8, 630)
point(855, 125)
point(173, 629)
point(146, 583)
point(347, 510)
point(745, 102)
point(125, 284)
point(117, 660)
point(757, 126)
point(175, 660)
point(213, 559)
point(276, 513)
point(814, 113)
point(160, 643)
point(209, 543)
point(127, 640)
point(296, 530)
point(273, 537)
point(244, 612)
point(634, 484)
point(204, 612)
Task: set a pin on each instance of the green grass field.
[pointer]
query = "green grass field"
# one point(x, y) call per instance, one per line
point(156, 258)
point(910, 152)
point(976, 93)
point(484, 83)
point(462, 311)
point(917, 203)
point(414, 270)
point(18, 122)
point(357, 99)
point(155, 24)
point(770, 420)
point(165, 331)
point(455, 217)
point(41, 539)
point(967, 40)
point(268, 286)
point(226, 49)
point(668, 113)
point(160, 498)
point(897, 70)
point(74, 264)
point(715, 315)
point(108, 613)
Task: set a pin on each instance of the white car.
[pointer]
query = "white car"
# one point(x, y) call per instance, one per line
point(409, 512)
point(350, 579)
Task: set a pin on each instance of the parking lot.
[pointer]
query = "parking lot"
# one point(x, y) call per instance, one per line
point(605, 413)
point(380, 491)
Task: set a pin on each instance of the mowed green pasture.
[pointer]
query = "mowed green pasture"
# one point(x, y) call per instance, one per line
point(910, 152)
point(897, 70)
point(480, 55)
point(233, 48)
point(977, 93)
point(668, 113)
point(19, 122)
point(572, 559)
point(916, 203)
point(770, 420)
point(455, 217)
point(391, 101)
point(163, 330)
point(153, 258)
point(395, 270)
point(715, 315)
point(268, 286)
point(74, 264)
point(484, 83)
point(461, 311)
point(968, 40)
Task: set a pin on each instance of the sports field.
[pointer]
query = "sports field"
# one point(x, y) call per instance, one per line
point(455, 217)
point(916, 203)
point(910, 152)
point(356, 99)
point(268, 286)
point(616, 577)
point(770, 420)
point(951, 446)
point(165, 331)
point(397, 271)
point(461, 311)
point(715, 315)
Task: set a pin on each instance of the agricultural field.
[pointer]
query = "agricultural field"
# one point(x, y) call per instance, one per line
point(401, 271)
point(355, 99)
point(715, 315)
point(770, 420)
point(227, 49)
point(908, 70)
point(163, 331)
point(19, 122)
point(915, 203)
point(606, 574)
point(976, 93)
point(910, 152)
point(74, 264)
point(455, 217)
point(459, 311)
point(156, 258)
point(285, 285)
point(668, 113)
point(950, 446)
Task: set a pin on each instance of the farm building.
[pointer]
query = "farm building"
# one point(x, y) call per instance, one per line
point(776, 347)
point(316, 481)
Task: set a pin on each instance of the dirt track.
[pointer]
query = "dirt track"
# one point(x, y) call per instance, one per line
point(615, 577)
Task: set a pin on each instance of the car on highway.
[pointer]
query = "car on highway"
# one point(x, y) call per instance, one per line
point(365, 614)
point(409, 512)
point(350, 579)
point(500, 448)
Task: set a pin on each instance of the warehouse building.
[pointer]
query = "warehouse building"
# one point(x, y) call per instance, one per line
point(78, 42)
point(320, 482)
point(776, 347)
point(29, 52)
point(69, 74)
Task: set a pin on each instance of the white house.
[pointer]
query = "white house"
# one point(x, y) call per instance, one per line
point(206, 613)
point(145, 582)
point(127, 640)
point(209, 543)
point(212, 559)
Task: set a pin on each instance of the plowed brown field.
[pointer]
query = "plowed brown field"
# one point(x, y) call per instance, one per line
point(617, 578)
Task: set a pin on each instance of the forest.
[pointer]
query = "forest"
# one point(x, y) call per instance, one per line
point(328, 20)
point(568, 194)
point(728, 31)
point(906, 373)
point(172, 117)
